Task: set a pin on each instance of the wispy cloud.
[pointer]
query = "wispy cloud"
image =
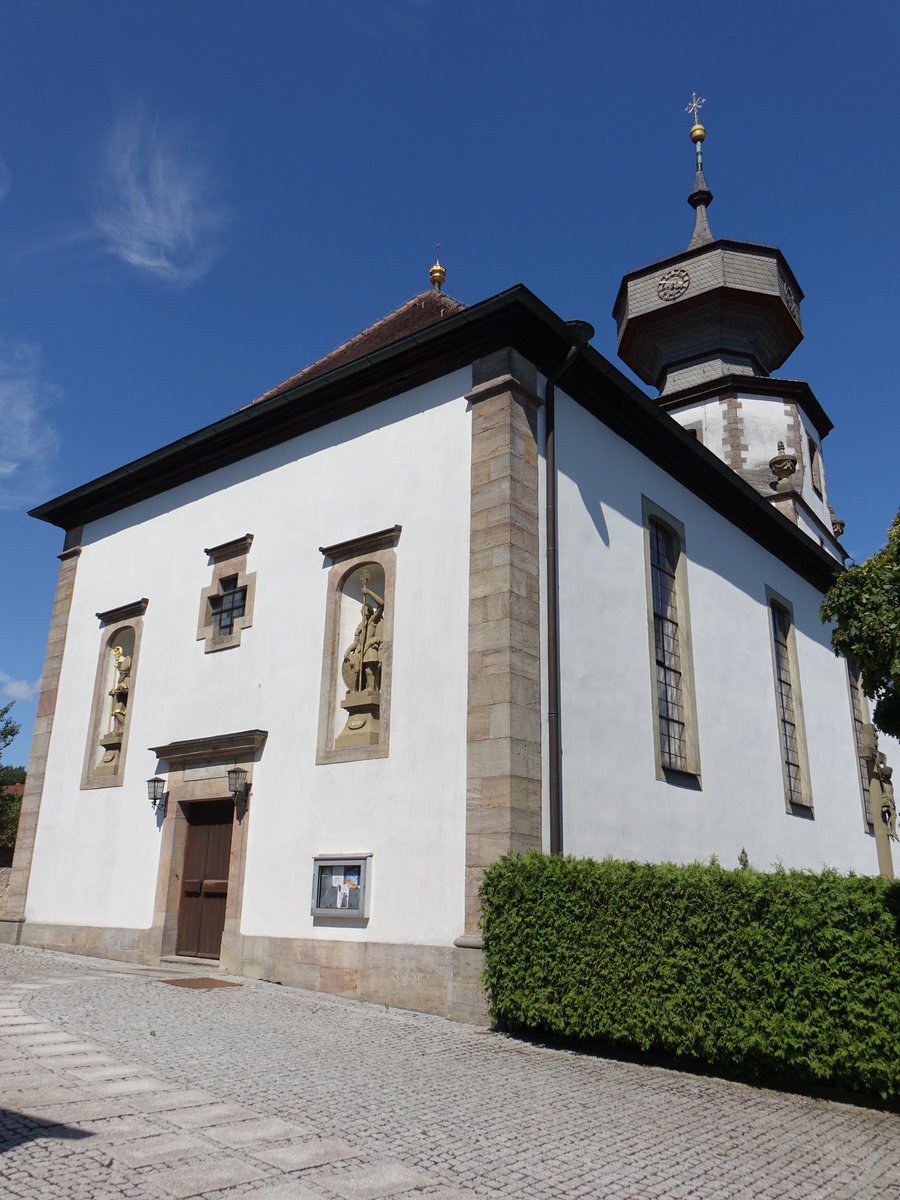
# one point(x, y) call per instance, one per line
point(28, 440)
point(18, 689)
point(5, 179)
point(408, 20)
point(156, 208)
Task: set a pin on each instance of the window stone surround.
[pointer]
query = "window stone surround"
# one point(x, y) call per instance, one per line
point(805, 808)
point(692, 773)
point(113, 621)
point(228, 560)
point(347, 557)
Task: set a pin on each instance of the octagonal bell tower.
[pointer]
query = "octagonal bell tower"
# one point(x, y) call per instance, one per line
point(706, 328)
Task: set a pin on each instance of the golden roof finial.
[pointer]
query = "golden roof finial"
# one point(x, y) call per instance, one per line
point(698, 132)
point(437, 274)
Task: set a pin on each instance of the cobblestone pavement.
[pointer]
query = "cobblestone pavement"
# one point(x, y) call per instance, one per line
point(117, 1084)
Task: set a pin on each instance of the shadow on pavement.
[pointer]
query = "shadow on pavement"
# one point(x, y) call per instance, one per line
point(18, 1128)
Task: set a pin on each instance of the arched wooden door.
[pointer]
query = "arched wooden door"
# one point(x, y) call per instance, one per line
point(204, 879)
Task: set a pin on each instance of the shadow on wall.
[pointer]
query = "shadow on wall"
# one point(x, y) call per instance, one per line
point(608, 472)
point(301, 445)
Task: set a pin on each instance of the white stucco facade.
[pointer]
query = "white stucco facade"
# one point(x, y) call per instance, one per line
point(613, 802)
point(406, 462)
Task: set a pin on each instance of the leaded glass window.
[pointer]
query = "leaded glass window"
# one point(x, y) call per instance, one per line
point(784, 691)
point(664, 551)
point(227, 606)
point(815, 466)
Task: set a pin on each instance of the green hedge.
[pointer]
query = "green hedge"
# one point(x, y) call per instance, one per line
point(789, 976)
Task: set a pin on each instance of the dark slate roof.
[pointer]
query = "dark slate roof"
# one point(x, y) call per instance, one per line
point(418, 313)
point(700, 199)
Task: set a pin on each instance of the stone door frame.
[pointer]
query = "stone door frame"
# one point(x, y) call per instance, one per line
point(197, 773)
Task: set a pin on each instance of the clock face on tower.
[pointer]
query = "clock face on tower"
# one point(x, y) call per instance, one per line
point(790, 299)
point(674, 283)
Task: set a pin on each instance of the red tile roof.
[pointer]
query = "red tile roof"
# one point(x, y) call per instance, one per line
point(14, 789)
point(423, 310)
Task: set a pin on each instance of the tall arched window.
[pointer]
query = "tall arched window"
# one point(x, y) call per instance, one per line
point(676, 739)
point(789, 706)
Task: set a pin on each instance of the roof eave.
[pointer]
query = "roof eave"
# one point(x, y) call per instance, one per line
point(516, 318)
point(794, 389)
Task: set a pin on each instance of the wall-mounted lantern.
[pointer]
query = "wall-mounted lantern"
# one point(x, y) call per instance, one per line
point(237, 781)
point(237, 785)
point(156, 794)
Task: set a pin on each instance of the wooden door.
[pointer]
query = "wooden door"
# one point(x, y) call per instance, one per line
point(204, 880)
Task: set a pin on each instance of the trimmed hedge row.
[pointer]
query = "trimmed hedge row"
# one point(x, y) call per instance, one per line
point(790, 976)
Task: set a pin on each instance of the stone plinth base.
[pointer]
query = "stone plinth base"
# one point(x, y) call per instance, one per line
point(11, 930)
point(362, 728)
point(444, 980)
point(126, 945)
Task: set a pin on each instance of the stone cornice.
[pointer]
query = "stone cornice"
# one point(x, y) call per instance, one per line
point(366, 543)
point(124, 612)
point(241, 745)
point(236, 548)
point(503, 383)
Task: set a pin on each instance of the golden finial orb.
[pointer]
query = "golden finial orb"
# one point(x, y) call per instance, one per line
point(698, 133)
point(437, 273)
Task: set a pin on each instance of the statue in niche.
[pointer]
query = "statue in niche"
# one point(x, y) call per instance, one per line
point(361, 672)
point(880, 774)
point(111, 741)
point(888, 807)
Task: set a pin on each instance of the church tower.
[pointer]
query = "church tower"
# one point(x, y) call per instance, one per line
point(706, 328)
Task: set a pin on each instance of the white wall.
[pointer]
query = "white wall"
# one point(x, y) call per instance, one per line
point(711, 416)
point(406, 461)
point(613, 803)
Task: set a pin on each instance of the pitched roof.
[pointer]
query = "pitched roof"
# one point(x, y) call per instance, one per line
point(418, 313)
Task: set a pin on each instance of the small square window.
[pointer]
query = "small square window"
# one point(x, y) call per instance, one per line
point(340, 886)
point(227, 606)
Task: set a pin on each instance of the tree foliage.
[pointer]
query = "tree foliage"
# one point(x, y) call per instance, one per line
point(864, 603)
point(9, 805)
point(8, 727)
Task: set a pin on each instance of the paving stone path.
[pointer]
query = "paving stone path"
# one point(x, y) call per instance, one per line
point(114, 1083)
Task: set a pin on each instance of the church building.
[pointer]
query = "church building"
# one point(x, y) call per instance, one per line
point(459, 588)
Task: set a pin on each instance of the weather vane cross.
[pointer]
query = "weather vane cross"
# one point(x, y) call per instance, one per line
point(695, 105)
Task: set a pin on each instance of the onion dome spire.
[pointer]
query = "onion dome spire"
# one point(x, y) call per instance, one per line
point(700, 197)
point(437, 273)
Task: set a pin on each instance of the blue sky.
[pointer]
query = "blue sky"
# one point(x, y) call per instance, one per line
point(199, 199)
